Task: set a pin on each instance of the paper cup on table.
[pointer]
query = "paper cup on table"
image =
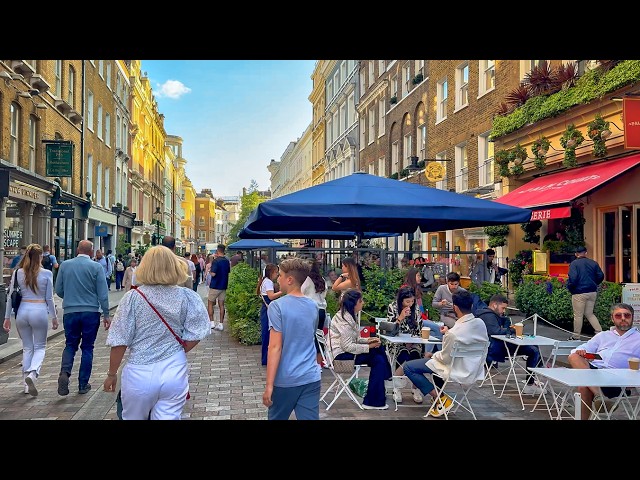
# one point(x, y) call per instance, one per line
point(634, 363)
point(426, 331)
point(519, 329)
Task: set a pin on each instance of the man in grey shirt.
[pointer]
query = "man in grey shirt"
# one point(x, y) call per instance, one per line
point(443, 299)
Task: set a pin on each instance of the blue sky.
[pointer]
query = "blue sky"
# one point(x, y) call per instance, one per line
point(234, 116)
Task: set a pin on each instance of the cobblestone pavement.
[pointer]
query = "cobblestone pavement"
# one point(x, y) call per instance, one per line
point(226, 382)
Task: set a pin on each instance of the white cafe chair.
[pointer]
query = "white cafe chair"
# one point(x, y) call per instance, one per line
point(343, 371)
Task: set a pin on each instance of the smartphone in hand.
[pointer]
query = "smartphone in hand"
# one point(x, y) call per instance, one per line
point(592, 356)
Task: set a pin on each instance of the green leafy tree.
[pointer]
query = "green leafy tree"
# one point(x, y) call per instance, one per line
point(248, 203)
point(123, 247)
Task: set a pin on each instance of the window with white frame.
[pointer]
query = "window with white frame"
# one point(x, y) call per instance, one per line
point(71, 86)
point(90, 110)
point(527, 65)
point(394, 87)
point(125, 136)
point(406, 79)
point(99, 123)
point(485, 159)
point(58, 78)
point(363, 84)
point(419, 68)
point(33, 124)
point(422, 141)
point(372, 124)
point(487, 80)
point(118, 84)
point(90, 173)
point(462, 168)
point(372, 76)
point(336, 82)
point(382, 171)
point(108, 79)
point(462, 86)
point(34, 64)
point(99, 184)
point(329, 137)
point(107, 189)
point(343, 70)
point(336, 126)
point(363, 132)
point(407, 149)
point(381, 114)
point(441, 158)
point(201, 220)
point(381, 67)
point(101, 68)
point(343, 117)
point(352, 114)
point(372, 168)
point(118, 127)
point(14, 133)
point(395, 155)
point(107, 129)
point(442, 94)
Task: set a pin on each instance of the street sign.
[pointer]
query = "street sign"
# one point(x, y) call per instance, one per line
point(61, 209)
point(101, 231)
point(59, 159)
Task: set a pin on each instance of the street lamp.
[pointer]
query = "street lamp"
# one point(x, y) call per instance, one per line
point(117, 209)
point(157, 213)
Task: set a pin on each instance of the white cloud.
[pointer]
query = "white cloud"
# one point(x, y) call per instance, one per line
point(172, 89)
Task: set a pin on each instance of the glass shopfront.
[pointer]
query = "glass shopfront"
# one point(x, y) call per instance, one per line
point(13, 233)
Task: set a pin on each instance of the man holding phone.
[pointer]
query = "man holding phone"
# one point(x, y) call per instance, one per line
point(443, 301)
point(607, 349)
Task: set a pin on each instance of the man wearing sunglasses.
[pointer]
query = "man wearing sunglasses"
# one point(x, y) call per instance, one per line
point(584, 277)
point(613, 348)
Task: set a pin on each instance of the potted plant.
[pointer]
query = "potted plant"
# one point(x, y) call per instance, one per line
point(570, 140)
point(598, 131)
point(518, 156)
point(393, 100)
point(502, 158)
point(418, 78)
point(539, 148)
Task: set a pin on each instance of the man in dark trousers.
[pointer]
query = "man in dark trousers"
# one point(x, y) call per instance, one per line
point(220, 268)
point(82, 285)
point(584, 277)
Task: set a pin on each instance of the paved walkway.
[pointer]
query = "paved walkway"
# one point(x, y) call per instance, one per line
point(226, 382)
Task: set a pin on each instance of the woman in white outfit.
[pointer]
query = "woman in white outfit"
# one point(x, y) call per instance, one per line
point(315, 287)
point(36, 284)
point(155, 379)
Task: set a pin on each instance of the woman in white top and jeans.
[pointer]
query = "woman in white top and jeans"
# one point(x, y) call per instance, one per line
point(266, 290)
point(36, 284)
point(155, 379)
point(315, 287)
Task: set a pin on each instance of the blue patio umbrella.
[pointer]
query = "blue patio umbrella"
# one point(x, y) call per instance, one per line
point(246, 233)
point(361, 202)
point(254, 244)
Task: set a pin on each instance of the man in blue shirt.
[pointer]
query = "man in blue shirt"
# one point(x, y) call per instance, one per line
point(82, 285)
point(220, 268)
point(15, 261)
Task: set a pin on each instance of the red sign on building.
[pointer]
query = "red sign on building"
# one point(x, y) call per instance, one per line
point(631, 118)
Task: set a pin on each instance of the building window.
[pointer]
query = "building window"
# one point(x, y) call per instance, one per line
point(14, 133)
point(381, 67)
point(462, 86)
point(33, 123)
point(90, 173)
point(343, 117)
point(407, 150)
point(58, 78)
point(394, 158)
point(118, 133)
point(363, 132)
point(382, 167)
point(343, 70)
point(90, 110)
point(363, 84)
point(71, 85)
point(485, 159)
point(442, 93)
point(118, 85)
point(441, 158)
point(422, 141)
point(381, 114)
point(351, 101)
point(201, 220)
point(372, 168)
point(99, 184)
point(372, 76)
point(462, 169)
point(107, 129)
point(107, 189)
point(329, 139)
point(527, 65)
point(372, 125)
point(394, 87)
point(406, 79)
point(101, 68)
point(34, 64)
point(419, 68)
point(99, 125)
point(336, 126)
point(487, 76)
point(108, 79)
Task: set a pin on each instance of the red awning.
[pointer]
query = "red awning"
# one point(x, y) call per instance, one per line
point(563, 187)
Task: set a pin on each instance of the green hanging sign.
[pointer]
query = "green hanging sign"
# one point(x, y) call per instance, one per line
point(59, 159)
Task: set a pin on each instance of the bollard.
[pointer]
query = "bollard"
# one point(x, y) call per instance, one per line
point(4, 336)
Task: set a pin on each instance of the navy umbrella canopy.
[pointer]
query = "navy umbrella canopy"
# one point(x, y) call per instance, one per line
point(247, 233)
point(361, 202)
point(254, 244)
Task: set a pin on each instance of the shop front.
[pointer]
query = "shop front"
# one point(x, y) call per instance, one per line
point(102, 228)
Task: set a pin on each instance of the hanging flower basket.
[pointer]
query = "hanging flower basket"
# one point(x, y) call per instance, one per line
point(570, 140)
point(539, 148)
point(597, 132)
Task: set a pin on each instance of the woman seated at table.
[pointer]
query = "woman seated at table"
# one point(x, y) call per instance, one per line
point(345, 343)
point(412, 279)
point(349, 277)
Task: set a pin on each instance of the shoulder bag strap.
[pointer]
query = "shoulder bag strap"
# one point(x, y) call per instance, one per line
point(14, 284)
point(180, 341)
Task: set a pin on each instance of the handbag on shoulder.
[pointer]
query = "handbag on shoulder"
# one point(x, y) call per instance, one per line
point(16, 293)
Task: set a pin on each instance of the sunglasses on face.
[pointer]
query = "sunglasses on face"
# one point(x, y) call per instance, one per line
point(620, 316)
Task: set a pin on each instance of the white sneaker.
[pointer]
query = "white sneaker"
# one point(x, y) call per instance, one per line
point(417, 395)
point(369, 407)
point(212, 324)
point(30, 380)
point(397, 395)
point(533, 389)
point(220, 327)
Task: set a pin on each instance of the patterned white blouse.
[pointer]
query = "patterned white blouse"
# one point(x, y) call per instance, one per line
point(148, 339)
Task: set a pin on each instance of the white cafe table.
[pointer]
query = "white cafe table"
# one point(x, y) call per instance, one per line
point(395, 344)
point(582, 377)
point(526, 340)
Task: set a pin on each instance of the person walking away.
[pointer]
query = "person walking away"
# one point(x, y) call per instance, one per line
point(112, 260)
point(293, 374)
point(584, 277)
point(197, 272)
point(315, 287)
point(36, 286)
point(266, 290)
point(49, 261)
point(119, 267)
point(202, 263)
point(220, 268)
point(106, 266)
point(129, 279)
point(155, 381)
point(170, 242)
point(82, 285)
point(192, 268)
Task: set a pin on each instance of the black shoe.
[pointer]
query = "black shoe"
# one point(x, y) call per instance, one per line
point(84, 388)
point(63, 384)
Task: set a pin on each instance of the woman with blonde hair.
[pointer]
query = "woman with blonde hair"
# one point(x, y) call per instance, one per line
point(159, 322)
point(349, 277)
point(36, 286)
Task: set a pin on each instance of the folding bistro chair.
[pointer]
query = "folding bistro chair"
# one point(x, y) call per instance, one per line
point(476, 351)
point(343, 371)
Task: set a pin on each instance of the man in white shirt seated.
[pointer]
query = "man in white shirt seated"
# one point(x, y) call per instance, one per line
point(614, 347)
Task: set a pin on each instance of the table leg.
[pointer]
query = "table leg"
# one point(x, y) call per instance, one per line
point(577, 405)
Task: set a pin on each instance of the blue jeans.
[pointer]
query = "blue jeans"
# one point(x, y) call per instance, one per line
point(415, 371)
point(303, 400)
point(119, 278)
point(80, 329)
point(377, 359)
point(264, 329)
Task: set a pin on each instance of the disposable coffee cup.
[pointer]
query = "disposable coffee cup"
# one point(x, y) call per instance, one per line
point(426, 331)
point(634, 363)
point(519, 329)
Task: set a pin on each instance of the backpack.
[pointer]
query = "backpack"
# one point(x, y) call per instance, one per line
point(119, 266)
point(47, 262)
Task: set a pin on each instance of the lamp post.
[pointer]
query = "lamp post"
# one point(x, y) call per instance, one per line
point(117, 209)
point(156, 239)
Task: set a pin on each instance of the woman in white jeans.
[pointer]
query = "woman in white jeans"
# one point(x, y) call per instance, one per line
point(155, 380)
point(36, 284)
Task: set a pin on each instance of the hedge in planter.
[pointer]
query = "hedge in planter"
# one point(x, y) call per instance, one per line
point(487, 290)
point(243, 305)
point(381, 287)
